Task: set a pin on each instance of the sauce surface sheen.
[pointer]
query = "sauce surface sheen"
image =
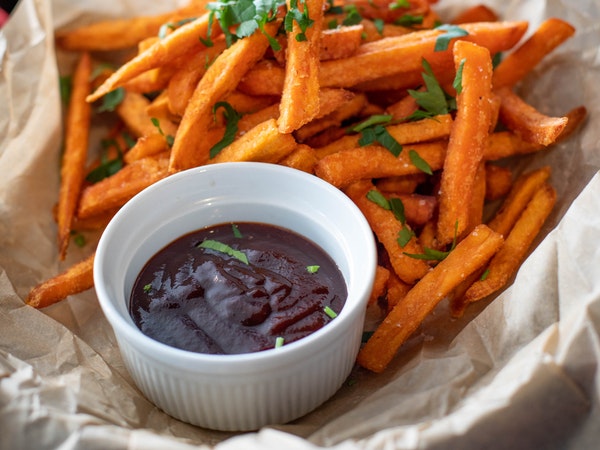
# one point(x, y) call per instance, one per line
point(203, 300)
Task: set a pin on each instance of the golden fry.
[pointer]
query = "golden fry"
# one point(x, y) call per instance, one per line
point(505, 263)
point(75, 279)
point(468, 140)
point(75, 153)
point(469, 255)
point(300, 97)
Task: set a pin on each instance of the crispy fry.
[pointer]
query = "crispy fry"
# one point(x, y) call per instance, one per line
point(418, 209)
point(528, 122)
point(132, 111)
point(149, 145)
point(396, 290)
point(75, 279)
point(387, 227)
point(374, 161)
point(519, 196)
point(340, 42)
point(400, 184)
point(300, 97)
point(477, 13)
point(422, 130)
point(263, 143)
point(75, 153)
point(382, 276)
point(119, 34)
point(302, 158)
point(475, 212)
point(498, 181)
point(468, 140)
point(176, 44)
point(190, 149)
point(469, 255)
point(519, 63)
point(505, 263)
point(116, 190)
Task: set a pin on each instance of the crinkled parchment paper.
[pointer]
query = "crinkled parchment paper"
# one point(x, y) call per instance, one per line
point(519, 372)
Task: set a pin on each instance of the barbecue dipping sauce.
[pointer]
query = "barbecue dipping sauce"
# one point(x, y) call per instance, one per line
point(204, 300)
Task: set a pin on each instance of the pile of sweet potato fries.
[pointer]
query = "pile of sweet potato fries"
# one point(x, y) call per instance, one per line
point(411, 117)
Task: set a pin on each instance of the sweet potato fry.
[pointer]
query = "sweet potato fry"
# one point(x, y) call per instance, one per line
point(132, 111)
point(396, 290)
point(468, 140)
point(468, 256)
point(149, 145)
point(374, 161)
point(300, 97)
point(400, 184)
point(262, 143)
point(116, 190)
point(418, 209)
point(477, 13)
point(423, 130)
point(75, 152)
point(302, 158)
point(498, 181)
point(520, 62)
point(180, 42)
point(506, 262)
point(527, 121)
point(387, 228)
point(221, 78)
point(523, 189)
point(382, 276)
point(503, 144)
point(75, 279)
point(120, 34)
point(340, 42)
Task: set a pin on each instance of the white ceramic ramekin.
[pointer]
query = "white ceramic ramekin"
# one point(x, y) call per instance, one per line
point(247, 391)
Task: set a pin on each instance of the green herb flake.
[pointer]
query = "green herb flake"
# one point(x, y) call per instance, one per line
point(232, 117)
point(300, 17)
point(419, 162)
point(379, 199)
point(236, 231)
point(451, 32)
point(279, 341)
point(400, 4)
point(313, 269)
point(457, 83)
point(397, 207)
point(111, 100)
point(433, 101)
point(65, 88)
point(485, 274)
point(330, 312)
point(170, 139)
point(404, 236)
point(353, 16)
point(409, 20)
point(224, 248)
point(78, 239)
point(429, 254)
point(107, 167)
point(147, 288)
point(379, 24)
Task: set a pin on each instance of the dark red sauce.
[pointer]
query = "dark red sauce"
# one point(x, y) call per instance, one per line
point(207, 301)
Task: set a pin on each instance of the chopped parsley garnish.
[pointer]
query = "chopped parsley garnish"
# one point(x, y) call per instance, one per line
point(372, 131)
point(485, 274)
point(457, 83)
point(224, 248)
point(170, 139)
point(400, 4)
point(78, 238)
point(111, 100)
point(300, 17)
point(241, 18)
point(330, 312)
point(312, 269)
point(279, 341)
point(451, 32)
point(65, 88)
point(107, 167)
point(353, 16)
point(236, 231)
point(434, 100)
point(419, 162)
point(232, 117)
point(409, 20)
point(397, 207)
point(147, 288)
point(431, 254)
